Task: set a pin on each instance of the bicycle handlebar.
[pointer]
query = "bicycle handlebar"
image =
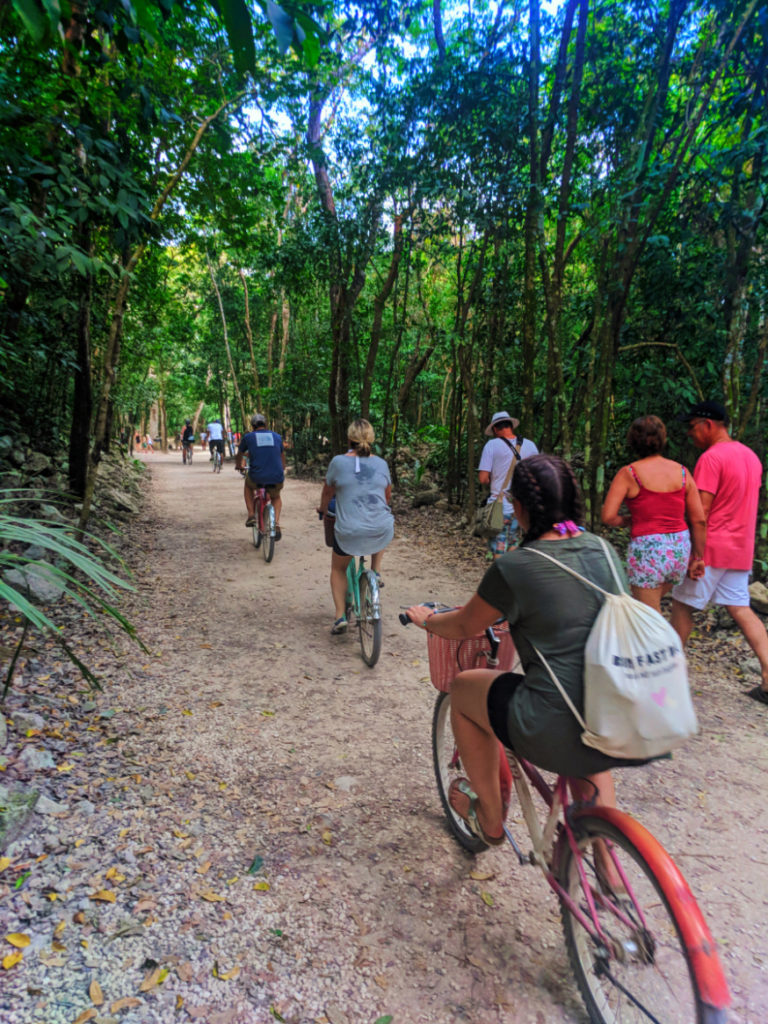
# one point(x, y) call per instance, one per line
point(406, 620)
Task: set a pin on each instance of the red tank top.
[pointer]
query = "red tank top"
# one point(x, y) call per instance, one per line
point(657, 511)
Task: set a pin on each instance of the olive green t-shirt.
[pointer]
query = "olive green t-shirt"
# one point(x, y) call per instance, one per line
point(549, 609)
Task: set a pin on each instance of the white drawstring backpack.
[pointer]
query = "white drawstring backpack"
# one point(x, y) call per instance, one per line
point(637, 702)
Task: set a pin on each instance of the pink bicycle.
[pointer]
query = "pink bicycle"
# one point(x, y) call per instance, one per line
point(639, 947)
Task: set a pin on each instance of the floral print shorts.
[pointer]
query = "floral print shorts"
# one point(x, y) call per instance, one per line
point(507, 539)
point(658, 558)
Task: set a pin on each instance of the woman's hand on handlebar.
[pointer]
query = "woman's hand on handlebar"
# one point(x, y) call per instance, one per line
point(419, 613)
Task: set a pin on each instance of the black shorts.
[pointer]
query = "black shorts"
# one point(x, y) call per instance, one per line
point(499, 696)
point(338, 550)
point(217, 444)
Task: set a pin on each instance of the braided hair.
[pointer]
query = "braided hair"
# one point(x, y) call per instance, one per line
point(545, 485)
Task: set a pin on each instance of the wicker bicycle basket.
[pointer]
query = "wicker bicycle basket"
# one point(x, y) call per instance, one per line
point(449, 657)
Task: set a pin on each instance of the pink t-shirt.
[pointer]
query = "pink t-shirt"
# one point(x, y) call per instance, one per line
point(731, 472)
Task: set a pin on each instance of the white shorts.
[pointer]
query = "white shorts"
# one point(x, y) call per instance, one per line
point(718, 586)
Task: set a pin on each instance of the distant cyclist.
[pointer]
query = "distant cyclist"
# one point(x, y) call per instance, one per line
point(187, 440)
point(266, 467)
point(216, 438)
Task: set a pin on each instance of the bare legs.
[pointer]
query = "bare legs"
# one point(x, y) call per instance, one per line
point(339, 565)
point(478, 748)
point(754, 631)
point(250, 501)
point(651, 595)
point(477, 743)
point(747, 621)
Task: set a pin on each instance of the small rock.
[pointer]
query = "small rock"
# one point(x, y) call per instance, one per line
point(423, 498)
point(36, 759)
point(750, 666)
point(37, 463)
point(758, 597)
point(23, 721)
point(42, 584)
point(346, 783)
point(45, 805)
point(86, 807)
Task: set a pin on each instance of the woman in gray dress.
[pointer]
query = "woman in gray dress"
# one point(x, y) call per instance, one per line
point(362, 488)
point(548, 609)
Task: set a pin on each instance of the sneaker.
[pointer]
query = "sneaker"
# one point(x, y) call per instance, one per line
point(251, 521)
point(278, 533)
point(339, 626)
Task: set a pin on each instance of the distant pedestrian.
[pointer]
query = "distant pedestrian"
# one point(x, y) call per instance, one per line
point(148, 443)
point(728, 476)
point(665, 515)
point(498, 454)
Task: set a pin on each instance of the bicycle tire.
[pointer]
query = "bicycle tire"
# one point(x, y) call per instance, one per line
point(217, 462)
point(369, 621)
point(447, 765)
point(268, 536)
point(256, 534)
point(648, 975)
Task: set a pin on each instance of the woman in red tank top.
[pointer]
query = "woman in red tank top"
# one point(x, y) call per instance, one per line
point(668, 527)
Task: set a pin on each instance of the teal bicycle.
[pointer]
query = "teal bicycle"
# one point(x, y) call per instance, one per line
point(364, 604)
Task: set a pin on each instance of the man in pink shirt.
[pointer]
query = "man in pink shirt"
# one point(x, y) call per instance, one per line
point(728, 477)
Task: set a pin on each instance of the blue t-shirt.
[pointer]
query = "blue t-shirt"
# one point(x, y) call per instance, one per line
point(265, 463)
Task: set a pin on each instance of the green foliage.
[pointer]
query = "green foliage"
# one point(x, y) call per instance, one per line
point(80, 574)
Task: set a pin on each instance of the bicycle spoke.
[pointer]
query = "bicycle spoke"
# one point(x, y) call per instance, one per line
point(636, 969)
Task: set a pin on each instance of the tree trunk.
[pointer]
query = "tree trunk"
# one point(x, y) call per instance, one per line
point(225, 335)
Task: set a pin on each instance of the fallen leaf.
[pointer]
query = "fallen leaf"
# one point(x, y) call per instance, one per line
point(261, 886)
point(53, 961)
point(104, 895)
point(94, 991)
point(480, 876)
point(18, 939)
point(5, 862)
point(212, 897)
point(12, 959)
point(203, 868)
point(327, 837)
point(127, 1003)
point(154, 978)
point(486, 898)
point(59, 928)
point(86, 1015)
point(114, 875)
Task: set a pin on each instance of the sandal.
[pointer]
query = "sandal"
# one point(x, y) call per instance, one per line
point(462, 786)
point(339, 626)
point(759, 694)
point(251, 521)
point(278, 533)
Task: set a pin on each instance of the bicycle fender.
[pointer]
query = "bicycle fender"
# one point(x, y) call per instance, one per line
point(696, 935)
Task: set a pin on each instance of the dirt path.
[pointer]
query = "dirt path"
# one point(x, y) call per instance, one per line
point(250, 738)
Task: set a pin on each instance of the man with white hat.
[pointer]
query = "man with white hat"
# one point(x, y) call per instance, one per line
point(495, 461)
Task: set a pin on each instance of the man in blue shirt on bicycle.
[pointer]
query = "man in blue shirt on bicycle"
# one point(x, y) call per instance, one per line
point(266, 467)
